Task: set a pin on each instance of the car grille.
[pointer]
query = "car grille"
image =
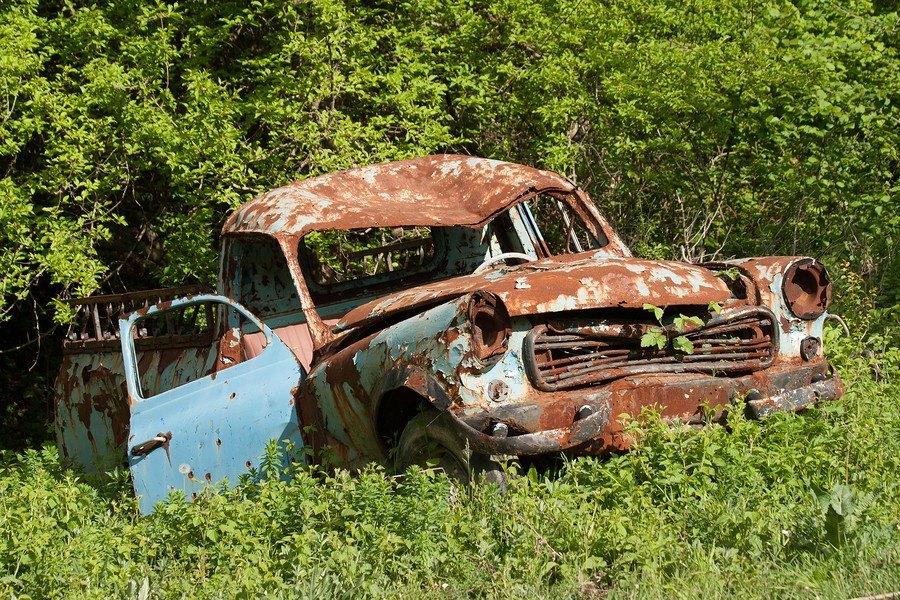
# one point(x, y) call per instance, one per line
point(560, 357)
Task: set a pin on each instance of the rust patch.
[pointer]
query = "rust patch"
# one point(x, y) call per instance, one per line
point(807, 288)
point(561, 284)
point(231, 350)
point(571, 353)
point(422, 191)
point(490, 325)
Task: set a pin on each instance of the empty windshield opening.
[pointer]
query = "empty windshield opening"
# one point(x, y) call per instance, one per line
point(561, 229)
point(343, 268)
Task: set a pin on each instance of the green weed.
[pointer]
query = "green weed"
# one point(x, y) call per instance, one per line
point(793, 506)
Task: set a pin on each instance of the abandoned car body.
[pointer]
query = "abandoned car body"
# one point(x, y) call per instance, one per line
point(484, 305)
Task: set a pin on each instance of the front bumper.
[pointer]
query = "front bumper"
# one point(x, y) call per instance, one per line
point(683, 397)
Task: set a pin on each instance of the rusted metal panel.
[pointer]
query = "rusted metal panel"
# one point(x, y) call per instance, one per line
point(92, 401)
point(440, 189)
point(92, 410)
point(95, 325)
point(736, 341)
point(563, 284)
point(683, 398)
point(769, 273)
point(437, 344)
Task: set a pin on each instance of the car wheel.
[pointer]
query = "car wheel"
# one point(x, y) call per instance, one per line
point(428, 440)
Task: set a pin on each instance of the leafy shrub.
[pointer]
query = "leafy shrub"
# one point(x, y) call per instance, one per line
point(793, 505)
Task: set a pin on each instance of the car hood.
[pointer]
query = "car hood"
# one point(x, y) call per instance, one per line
point(560, 284)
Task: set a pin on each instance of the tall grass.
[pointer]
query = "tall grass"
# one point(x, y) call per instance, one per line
point(794, 506)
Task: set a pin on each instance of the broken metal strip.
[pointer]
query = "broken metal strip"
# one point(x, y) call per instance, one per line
point(154, 295)
point(319, 331)
point(599, 366)
point(592, 376)
point(794, 400)
point(96, 317)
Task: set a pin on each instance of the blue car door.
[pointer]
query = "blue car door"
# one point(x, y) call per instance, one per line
point(216, 427)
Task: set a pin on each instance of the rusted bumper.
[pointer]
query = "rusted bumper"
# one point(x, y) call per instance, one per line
point(794, 400)
point(786, 390)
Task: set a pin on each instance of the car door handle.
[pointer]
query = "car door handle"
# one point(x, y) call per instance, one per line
point(159, 441)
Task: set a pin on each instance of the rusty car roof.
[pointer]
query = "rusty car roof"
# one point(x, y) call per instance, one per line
point(442, 189)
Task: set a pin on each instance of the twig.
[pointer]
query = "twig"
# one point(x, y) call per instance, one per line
point(833, 317)
point(37, 328)
point(541, 539)
point(887, 596)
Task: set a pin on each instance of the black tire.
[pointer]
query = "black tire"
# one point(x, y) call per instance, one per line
point(429, 438)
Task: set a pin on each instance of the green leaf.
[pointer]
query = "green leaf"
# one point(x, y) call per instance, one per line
point(657, 311)
point(682, 344)
point(731, 273)
point(654, 337)
point(681, 320)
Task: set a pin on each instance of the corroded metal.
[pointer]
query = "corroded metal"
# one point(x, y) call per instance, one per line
point(442, 189)
point(737, 341)
point(522, 359)
point(807, 288)
point(96, 318)
point(563, 284)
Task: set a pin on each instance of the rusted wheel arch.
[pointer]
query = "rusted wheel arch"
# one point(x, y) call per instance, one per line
point(430, 440)
point(394, 410)
point(402, 393)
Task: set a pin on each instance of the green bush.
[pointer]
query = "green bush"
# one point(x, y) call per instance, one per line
point(132, 128)
point(129, 130)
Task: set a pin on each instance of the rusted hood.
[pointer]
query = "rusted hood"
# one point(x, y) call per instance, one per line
point(575, 282)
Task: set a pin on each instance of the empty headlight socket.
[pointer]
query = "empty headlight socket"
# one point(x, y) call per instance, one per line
point(807, 288)
point(490, 325)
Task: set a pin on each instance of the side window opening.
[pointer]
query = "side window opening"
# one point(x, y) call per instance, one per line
point(343, 256)
point(188, 325)
point(341, 264)
point(176, 346)
point(262, 281)
point(467, 247)
point(503, 236)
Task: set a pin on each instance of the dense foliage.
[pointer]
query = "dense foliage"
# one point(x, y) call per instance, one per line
point(795, 506)
point(131, 128)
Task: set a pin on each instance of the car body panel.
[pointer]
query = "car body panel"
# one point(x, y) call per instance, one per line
point(213, 429)
point(561, 284)
point(461, 190)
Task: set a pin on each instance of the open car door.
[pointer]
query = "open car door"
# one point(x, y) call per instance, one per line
point(200, 414)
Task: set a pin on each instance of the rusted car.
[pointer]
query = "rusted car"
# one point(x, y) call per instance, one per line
point(445, 308)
